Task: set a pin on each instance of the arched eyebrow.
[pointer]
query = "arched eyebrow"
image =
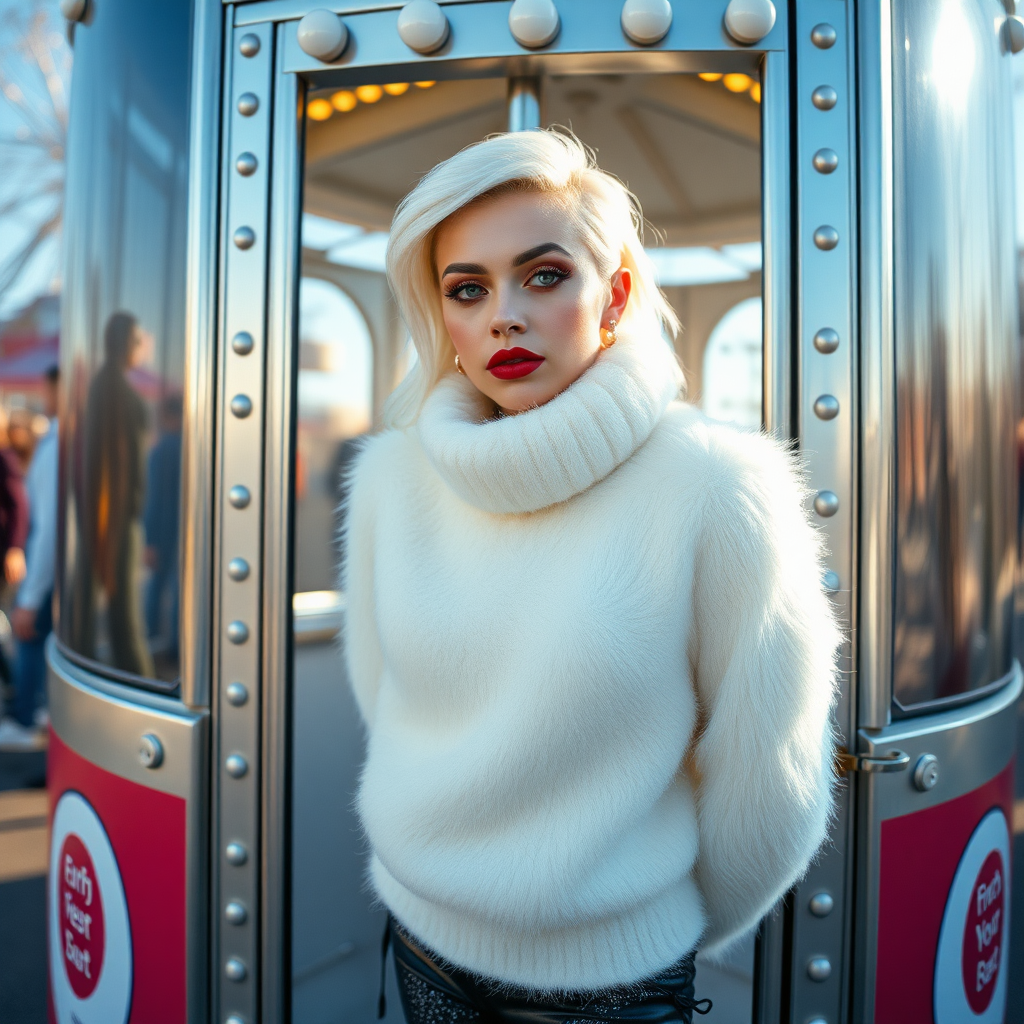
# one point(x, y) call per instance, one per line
point(464, 268)
point(539, 250)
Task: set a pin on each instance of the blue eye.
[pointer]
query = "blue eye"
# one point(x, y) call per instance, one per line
point(547, 277)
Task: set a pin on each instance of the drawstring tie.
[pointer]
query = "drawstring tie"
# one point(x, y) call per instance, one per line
point(683, 1002)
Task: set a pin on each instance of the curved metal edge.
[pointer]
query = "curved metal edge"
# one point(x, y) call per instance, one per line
point(200, 342)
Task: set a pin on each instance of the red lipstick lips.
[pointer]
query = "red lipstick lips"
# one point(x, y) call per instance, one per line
point(513, 363)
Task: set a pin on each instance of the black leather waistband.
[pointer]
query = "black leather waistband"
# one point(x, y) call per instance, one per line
point(669, 997)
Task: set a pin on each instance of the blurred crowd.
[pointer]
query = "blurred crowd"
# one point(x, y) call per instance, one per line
point(28, 545)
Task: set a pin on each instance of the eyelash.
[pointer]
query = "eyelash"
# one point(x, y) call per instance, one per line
point(453, 292)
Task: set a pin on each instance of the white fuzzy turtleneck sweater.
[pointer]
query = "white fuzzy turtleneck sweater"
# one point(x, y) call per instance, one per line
point(596, 665)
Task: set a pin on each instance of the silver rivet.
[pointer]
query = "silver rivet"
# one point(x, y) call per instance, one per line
point(238, 569)
point(241, 406)
point(249, 45)
point(819, 969)
point(322, 34)
point(238, 632)
point(533, 23)
point(422, 26)
point(821, 904)
point(824, 97)
point(235, 912)
point(235, 969)
point(238, 1019)
point(826, 340)
point(239, 496)
point(823, 36)
point(236, 765)
point(817, 1020)
point(237, 694)
point(244, 237)
point(1013, 30)
point(749, 21)
point(926, 772)
point(825, 161)
point(826, 407)
point(246, 164)
point(242, 343)
point(830, 581)
point(826, 504)
point(826, 237)
point(248, 104)
point(236, 853)
point(151, 751)
point(646, 22)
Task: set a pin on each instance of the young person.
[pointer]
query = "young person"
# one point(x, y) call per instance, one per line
point(585, 628)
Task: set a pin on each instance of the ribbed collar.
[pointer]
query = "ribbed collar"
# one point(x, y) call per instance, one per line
point(546, 455)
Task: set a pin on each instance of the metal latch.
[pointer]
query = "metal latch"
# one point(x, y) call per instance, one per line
point(894, 761)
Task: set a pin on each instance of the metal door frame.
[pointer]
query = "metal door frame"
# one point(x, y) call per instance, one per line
point(805, 287)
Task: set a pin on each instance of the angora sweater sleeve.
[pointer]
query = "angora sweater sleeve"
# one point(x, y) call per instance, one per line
point(363, 658)
point(763, 656)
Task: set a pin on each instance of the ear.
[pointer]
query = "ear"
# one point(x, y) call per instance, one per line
point(621, 285)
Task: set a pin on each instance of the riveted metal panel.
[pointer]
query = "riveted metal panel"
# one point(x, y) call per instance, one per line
point(825, 243)
point(238, 622)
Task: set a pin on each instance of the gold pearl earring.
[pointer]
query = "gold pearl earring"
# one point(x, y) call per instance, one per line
point(458, 365)
point(610, 336)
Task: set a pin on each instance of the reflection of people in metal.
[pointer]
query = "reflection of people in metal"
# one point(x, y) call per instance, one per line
point(161, 518)
point(585, 624)
point(115, 436)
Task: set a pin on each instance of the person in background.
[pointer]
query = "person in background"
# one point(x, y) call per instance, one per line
point(33, 516)
point(160, 519)
point(20, 437)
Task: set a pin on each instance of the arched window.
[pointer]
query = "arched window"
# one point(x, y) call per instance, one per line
point(732, 367)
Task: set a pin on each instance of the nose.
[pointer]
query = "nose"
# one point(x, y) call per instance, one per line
point(506, 326)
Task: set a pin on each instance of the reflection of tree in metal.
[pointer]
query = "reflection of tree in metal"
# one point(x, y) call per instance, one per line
point(35, 65)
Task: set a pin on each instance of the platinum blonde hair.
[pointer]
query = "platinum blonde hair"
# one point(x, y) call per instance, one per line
point(606, 213)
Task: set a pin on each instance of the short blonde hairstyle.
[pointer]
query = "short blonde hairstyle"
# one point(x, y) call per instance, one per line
point(552, 162)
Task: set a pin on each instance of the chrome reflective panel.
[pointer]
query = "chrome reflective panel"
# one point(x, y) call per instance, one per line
point(956, 350)
point(123, 338)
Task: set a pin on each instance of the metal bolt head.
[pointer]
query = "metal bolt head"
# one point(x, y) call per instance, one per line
point(249, 45)
point(826, 237)
point(235, 912)
point(236, 853)
point(830, 582)
point(237, 694)
point(242, 343)
point(821, 904)
point(235, 969)
point(826, 341)
point(239, 496)
point(241, 406)
point(826, 504)
point(238, 632)
point(246, 164)
point(236, 766)
point(926, 772)
point(824, 97)
point(244, 238)
point(819, 969)
point(826, 407)
point(238, 569)
point(823, 36)
point(234, 1019)
point(825, 161)
point(422, 26)
point(646, 22)
point(749, 21)
point(533, 23)
point(248, 104)
point(151, 750)
point(322, 34)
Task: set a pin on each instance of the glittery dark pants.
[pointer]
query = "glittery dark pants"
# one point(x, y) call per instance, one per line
point(436, 993)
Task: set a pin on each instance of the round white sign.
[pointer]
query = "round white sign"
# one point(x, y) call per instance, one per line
point(90, 936)
point(972, 961)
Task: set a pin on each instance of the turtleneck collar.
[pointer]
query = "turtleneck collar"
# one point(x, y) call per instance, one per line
point(548, 454)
